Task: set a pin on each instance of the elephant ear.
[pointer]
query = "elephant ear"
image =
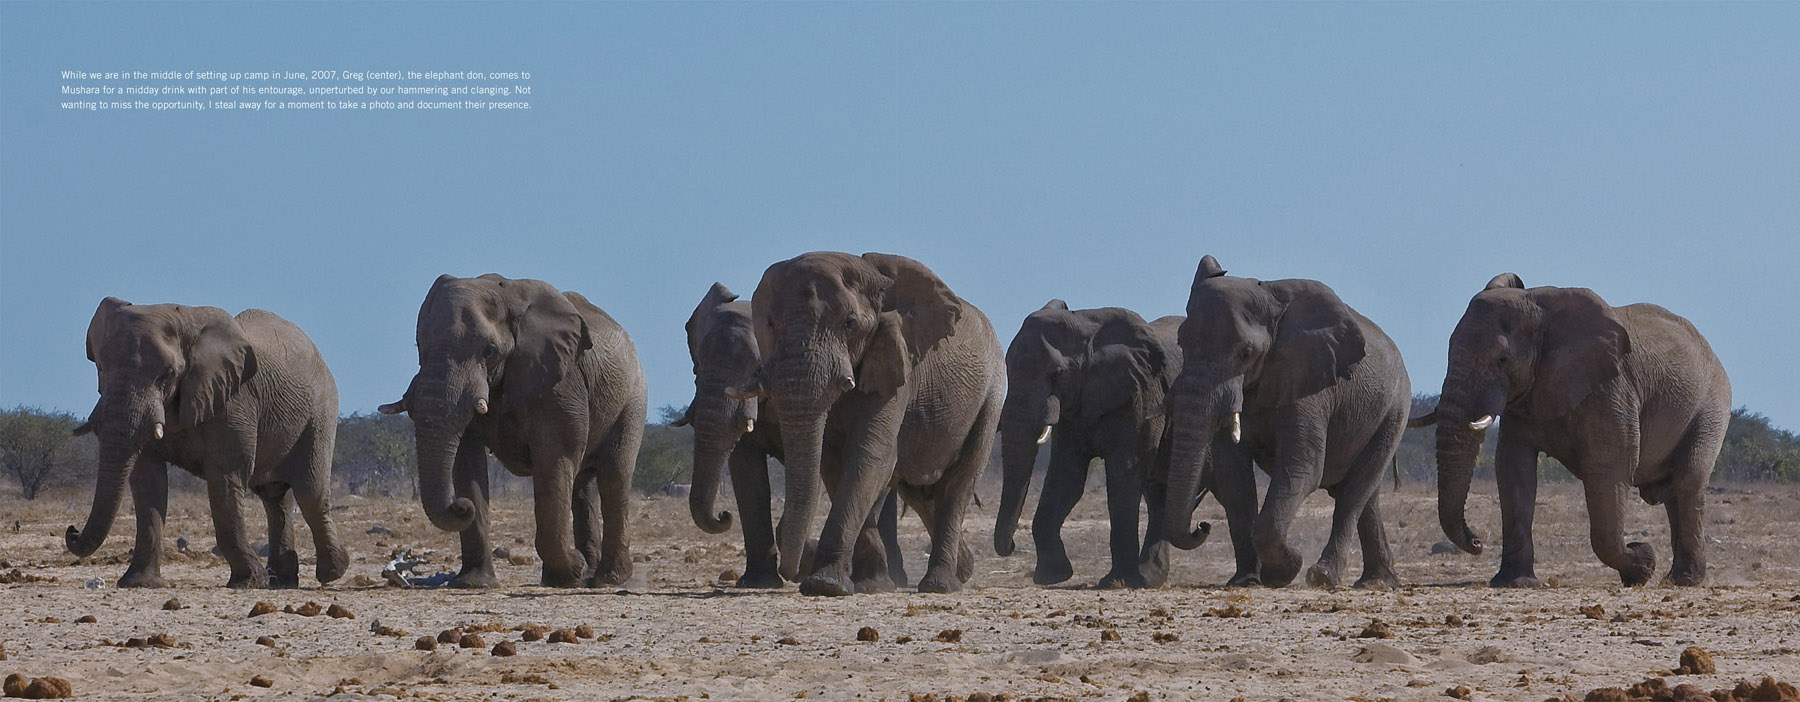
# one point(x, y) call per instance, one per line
point(219, 361)
point(886, 362)
point(548, 334)
point(717, 295)
point(100, 327)
point(1583, 347)
point(928, 310)
point(1125, 362)
point(1317, 340)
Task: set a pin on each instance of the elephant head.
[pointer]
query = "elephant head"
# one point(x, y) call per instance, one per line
point(485, 344)
point(1536, 352)
point(164, 369)
point(832, 325)
point(722, 344)
point(1066, 364)
point(1271, 342)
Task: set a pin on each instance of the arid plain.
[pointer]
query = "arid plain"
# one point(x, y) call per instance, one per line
point(677, 632)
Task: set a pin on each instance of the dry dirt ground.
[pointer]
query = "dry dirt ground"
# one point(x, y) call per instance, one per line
point(680, 634)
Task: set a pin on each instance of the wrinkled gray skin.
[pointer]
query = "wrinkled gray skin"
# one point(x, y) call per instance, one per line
point(744, 435)
point(245, 403)
point(551, 385)
point(1093, 382)
point(1323, 397)
point(1622, 396)
point(880, 376)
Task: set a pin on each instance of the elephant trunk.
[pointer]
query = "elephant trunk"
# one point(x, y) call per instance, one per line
point(1018, 454)
point(122, 437)
point(1457, 447)
point(1197, 419)
point(713, 442)
point(440, 415)
point(803, 437)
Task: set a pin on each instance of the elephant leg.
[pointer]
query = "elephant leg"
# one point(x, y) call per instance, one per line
point(225, 491)
point(750, 487)
point(1153, 561)
point(1063, 483)
point(586, 504)
point(1346, 513)
point(1688, 474)
point(1378, 558)
point(1635, 561)
point(1124, 490)
point(150, 499)
point(613, 478)
point(1352, 496)
point(1234, 485)
point(890, 539)
point(284, 562)
point(552, 491)
point(1515, 474)
point(952, 562)
point(470, 476)
point(869, 560)
point(315, 508)
point(1299, 459)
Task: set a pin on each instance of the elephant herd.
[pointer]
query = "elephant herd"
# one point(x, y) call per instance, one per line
point(868, 377)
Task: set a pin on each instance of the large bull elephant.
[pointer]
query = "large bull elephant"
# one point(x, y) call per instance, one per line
point(243, 402)
point(551, 385)
point(1622, 396)
point(880, 376)
point(1098, 377)
point(743, 434)
point(1282, 373)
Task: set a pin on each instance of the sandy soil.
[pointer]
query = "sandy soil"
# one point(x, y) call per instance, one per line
point(680, 634)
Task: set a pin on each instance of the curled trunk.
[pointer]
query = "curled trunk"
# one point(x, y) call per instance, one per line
point(119, 451)
point(1457, 447)
point(712, 448)
point(1198, 418)
point(440, 414)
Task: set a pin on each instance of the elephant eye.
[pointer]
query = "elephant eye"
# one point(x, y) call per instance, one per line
point(1244, 352)
point(850, 322)
point(490, 352)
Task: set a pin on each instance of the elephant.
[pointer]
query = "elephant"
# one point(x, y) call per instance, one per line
point(722, 344)
point(1284, 374)
point(551, 385)
point(245, 403)
point(880, 377)
point(1092, 383)
point(1623, 396)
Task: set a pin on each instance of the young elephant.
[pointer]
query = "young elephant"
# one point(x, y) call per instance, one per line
point(551, 385)
point(1283, 373)
point(880, 376)
point(1098, 377)
point(722, 344)
point(1622, 396)
point(245, 403)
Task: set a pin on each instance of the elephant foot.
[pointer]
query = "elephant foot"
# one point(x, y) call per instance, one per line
point(939, 582)
point(1518, 580)
point(143, 578)
point(1051, 571)
point(761, 579)
point(965, 563)
point(1121, 580)
point(1153, 577)
point(333, 563)
point(1244, 579)
point(825, 585)
point(250, 578)
point(1686, 575)
point(562, 578)
point(284, 570)
point(1642, 564)
point(1280, 568)
point(1383, 581)
point(614, 571)
point(880, 583)
point(1322, 576)
point(475, 579)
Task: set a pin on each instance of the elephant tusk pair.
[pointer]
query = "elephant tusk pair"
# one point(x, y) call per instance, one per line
point(1044, 437)
point(481, 406)
point(157, 430)
point(1487, 420)
point(1237, 427)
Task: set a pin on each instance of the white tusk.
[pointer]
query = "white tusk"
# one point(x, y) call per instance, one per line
point(157, 430)
point(1237, 427)
point(749, 425)
point(1487, 420)
point(481, 405)
point(1044, 436)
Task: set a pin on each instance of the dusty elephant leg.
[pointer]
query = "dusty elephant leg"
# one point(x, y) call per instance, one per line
point(1063, 483)
point(586, 505)
point(1346, 514)
point(1635, 561)
point(1124, 490)
point(1153, 560)
point(150, 498)
point(225, 491)
point(470, 476)
point(869, 557)
point(952, 562)
point(284, 562)
point(613, 481)
point(1378, 558)
point(1353, 495)
point(750, 487)
point(1296, 475)
point(890, 538)
point(1515, 474)
point(1234, 484)
point(552, 488)
point(854, 497)
point(1686, 510)
point(315, 508)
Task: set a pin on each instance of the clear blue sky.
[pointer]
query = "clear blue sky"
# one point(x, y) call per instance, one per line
point(1403, 153)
